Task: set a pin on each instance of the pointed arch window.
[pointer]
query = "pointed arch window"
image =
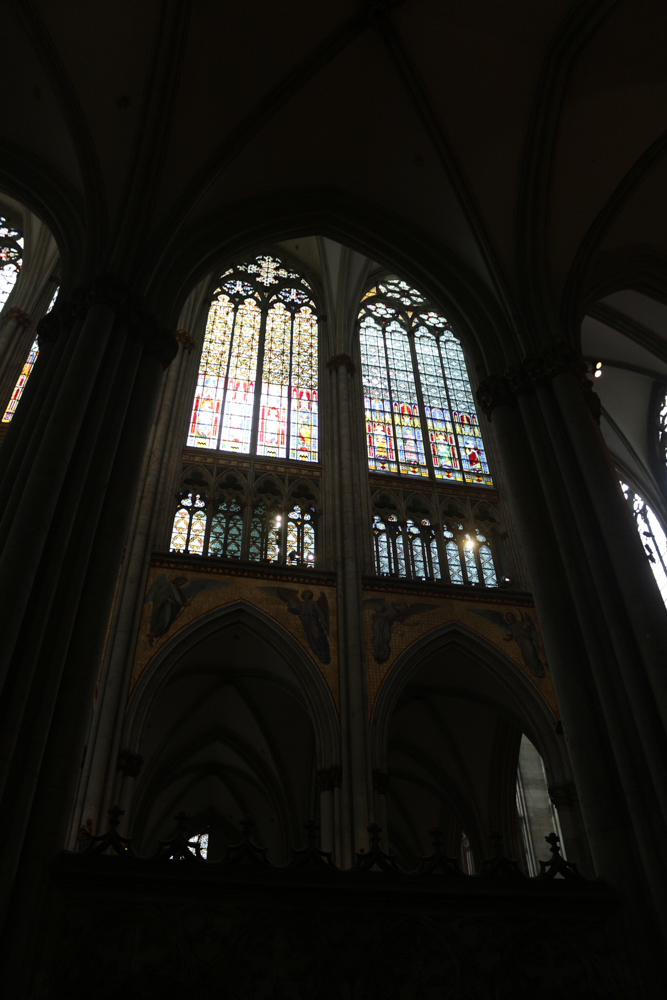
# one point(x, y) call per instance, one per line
point(257, 382)
point(420, 413)
point(26, 371)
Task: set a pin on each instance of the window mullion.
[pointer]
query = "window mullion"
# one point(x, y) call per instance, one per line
point(451, 410)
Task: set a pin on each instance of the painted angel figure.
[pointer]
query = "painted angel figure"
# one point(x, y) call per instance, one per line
point(169, 597)
point(522, 631)
point(385, 614)
point(313, 615)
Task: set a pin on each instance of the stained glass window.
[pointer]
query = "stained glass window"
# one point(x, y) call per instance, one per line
point(420, 413)
point(257, 383)
point(25, 373)
point(652, 536)
point(11, 258)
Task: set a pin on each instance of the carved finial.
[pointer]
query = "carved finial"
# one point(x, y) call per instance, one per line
point(181, 823)
point(311, 827)
point(554, 843)
point(436, 836)
point(375, 832)
point(247, 825)
point(497, 843)
point(115, 814)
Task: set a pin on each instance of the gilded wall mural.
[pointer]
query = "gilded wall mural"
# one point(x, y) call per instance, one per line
point(178, 593)
point(394, 620)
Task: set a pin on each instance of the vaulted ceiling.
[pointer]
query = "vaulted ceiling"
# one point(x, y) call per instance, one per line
point(522, 145)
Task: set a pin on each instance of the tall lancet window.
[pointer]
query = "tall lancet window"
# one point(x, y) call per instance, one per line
point(11, 258)
point(652, 536)
point(420, 413)
point(257, 384)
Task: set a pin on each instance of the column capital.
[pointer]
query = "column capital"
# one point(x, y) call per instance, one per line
point(537, 370)
point(329, 778)
point(341, 361)
point(15, 315)
point(184, 338)
point(563, 796)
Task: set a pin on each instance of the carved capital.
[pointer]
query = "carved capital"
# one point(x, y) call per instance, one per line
point(15, 315)
point(130, 763)
point(184, 338)
point(329, 778)
point(341, 361)
point(563, 796)
point(158, 342)
point(380, 782)
point(537, 370)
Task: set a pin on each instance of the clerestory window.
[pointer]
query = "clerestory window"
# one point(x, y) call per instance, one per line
point(257, 383)
point(11, 258)
point(420, 413)
point(651, 534)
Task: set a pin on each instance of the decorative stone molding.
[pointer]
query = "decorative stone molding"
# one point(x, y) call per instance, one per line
point(184, 338)
point(15, 315)
point(537, 370)
point(329, 778)
point(341, 361)
point(130, 763)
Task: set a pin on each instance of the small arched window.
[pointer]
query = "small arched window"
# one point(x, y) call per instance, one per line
point(421, 418)
point(257, 383)
point(652, 536)
point(25, 372)
point(11, 258)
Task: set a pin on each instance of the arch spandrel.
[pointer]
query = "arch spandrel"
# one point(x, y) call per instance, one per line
point(430, 627)
point(182, 596)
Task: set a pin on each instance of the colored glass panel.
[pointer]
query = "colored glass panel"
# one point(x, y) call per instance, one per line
point(442, 441)
point(435, 561)
point(488, 567)
point(197, 532)
point(211, 381)
point(21, 383)
point(379, 424)
point(405, 402)
point(179, 532)
point(419, 563)
point(236, 423)
point(381, 547)
point(272, 434)
point(303, 389)
point(453, 561)
point(464, 414)
point(470, 561)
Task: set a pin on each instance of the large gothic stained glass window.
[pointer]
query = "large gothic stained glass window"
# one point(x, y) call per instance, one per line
point(257, 384)
point(420, 413)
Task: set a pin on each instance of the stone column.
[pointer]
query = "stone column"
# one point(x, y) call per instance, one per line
point(584, 617)
point(356, 785)
point(75, 459)
point(100, 777)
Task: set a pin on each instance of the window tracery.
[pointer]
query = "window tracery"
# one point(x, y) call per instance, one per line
point(229, 515)
point(420, 413)
point(258, 380)
point(11, 258)
point(446, 541)
point(652, 536)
